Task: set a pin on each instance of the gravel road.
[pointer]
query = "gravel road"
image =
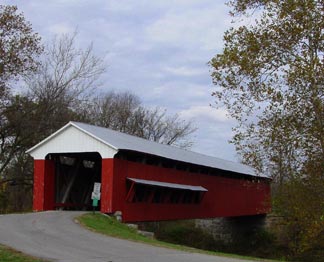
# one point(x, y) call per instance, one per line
point(54, 236)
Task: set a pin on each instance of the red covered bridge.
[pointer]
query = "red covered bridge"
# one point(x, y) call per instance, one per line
point(144, 180)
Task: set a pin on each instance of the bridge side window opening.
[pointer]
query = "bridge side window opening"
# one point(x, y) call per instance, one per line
point(146, 191)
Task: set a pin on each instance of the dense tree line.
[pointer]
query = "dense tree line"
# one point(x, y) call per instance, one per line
point(58, 83)
point(270, 79)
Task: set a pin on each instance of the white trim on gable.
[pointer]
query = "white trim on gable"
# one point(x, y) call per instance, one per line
point(95, 137)
point(71, 139)
point(47, 138)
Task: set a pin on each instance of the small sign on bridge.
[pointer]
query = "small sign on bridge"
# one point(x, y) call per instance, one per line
point(96, 187)
point(95, 196)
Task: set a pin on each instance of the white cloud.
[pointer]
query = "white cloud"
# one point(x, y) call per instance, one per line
point(214, 132)
point(61, 28)
point(185, 71)
point(201, 27)
point(205, 113)
point(117, 6)
point(177, 95)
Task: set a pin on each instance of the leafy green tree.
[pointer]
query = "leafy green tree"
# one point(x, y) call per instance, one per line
point(270, 77)
point(16, 133)
point(19, 49)
point(300, 202)
point(19, 45)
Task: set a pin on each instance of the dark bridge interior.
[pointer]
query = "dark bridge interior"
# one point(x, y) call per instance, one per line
point(75, 175)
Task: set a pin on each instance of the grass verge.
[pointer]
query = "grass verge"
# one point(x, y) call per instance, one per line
point(111, 227)
point(9, 255)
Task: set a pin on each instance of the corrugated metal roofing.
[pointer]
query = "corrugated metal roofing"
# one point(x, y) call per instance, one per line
point(169, 185)
point(121, 141)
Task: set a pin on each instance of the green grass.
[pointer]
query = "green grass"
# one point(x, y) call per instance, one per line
point(111, 227)
point(7, 254)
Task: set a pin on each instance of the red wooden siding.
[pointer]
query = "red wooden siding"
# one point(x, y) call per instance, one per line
point(225, 196)
point(38, 194)
point(44, 175)
point(107, 169)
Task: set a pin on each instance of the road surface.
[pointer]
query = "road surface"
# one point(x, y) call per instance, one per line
point(54, 236)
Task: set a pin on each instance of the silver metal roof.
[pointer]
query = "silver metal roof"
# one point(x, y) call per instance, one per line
point(121, 141)
point(169, 185)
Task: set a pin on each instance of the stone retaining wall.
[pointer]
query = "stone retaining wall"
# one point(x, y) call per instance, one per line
point(229, 229)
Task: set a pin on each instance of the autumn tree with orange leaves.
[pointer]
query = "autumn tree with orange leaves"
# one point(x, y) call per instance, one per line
point(270, 78)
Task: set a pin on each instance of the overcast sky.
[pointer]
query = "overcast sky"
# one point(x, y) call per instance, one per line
point(156, 49)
